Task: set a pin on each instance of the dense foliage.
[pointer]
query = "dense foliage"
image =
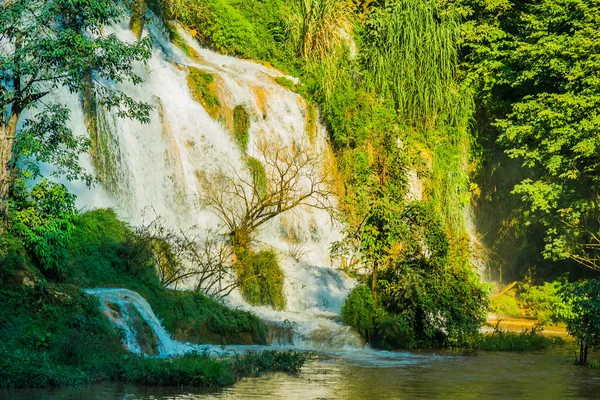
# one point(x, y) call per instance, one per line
point(535, 69)
point(584, 322)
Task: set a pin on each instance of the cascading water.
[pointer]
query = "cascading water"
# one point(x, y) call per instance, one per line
point(157, 165)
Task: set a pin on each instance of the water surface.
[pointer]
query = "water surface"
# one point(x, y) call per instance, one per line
point(366, 375)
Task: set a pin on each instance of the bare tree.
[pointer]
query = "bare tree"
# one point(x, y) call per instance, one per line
point(181, 255)
point(292, 177)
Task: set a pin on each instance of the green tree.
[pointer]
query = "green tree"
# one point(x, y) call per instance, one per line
point(584, 322)
point(536, 66)
point(46, 45)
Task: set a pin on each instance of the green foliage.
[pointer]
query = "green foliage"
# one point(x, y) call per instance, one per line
point(195, 317)
point(546, 303)
point(261, 278)
point(445, 303)
point(317, 27)
point(584, 321)
point(189, 370)
point(54, 336)
point(358, 310)
point(410, 48)
point(241, 125)
point(536, 68)
point(53, 44)
point(505, 305)
point(201, 371)
point(286, 83)
point(255, 363)
point(393, 332)
point(202, 86)
point(106, 253)
point(509, 341)
point(258, 173)
point(253, 30)
point(43, 219)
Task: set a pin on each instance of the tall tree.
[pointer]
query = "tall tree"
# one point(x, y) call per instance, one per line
point(46, 45)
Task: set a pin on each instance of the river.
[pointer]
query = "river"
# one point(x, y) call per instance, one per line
point(535, 375)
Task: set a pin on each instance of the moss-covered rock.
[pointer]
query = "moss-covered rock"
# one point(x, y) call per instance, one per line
point(241, 127)
point(204, 90)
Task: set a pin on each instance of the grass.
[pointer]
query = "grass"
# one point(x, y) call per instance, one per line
point(510, 341)
point(203, 88)
point(105, 254)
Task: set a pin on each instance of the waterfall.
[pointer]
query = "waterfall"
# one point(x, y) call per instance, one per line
point(131, 313)
point(158, 165)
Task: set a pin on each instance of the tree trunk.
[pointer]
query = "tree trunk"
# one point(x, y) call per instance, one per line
point(7, 140)
point(374, 282)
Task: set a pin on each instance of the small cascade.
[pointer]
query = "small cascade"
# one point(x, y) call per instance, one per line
point(143, 333)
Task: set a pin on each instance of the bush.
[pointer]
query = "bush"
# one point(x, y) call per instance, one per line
point(505, 305)
point(43, 219)
point(261, 278)
point(358, 310)
point(546, 303)
point(393, 332)
point(54, 336)
point(510, 341)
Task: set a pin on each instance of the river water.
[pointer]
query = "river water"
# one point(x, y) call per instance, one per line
point(535, 375)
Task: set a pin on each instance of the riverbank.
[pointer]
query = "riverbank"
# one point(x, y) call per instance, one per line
point(425, 375)
point(53, 334)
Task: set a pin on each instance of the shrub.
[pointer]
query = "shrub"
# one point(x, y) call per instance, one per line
point(393, 332)
point(358, 310)
point(505, 305)
point(546, 303)
point(43, 219)
point(261, 278)
point(509, 341)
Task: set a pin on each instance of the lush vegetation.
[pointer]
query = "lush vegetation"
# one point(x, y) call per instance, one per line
point(534, 69)
point(416, 95)
point(55, 335)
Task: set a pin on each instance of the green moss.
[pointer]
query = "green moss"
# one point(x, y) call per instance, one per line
point(241, 126)
point(287, 83)
point(258, 173)
point(138, 17)
point(146, 338)
point(203, 88)
point(261, 278)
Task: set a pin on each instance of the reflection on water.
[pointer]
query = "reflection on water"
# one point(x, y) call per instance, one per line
point(545, 375)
